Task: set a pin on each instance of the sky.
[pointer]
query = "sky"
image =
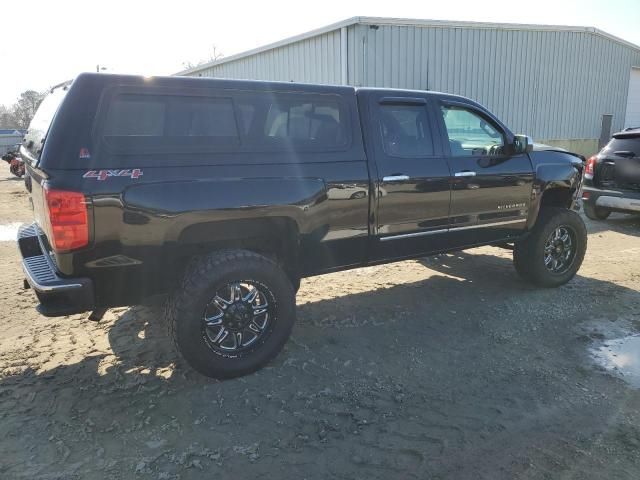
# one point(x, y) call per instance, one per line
point(52, 41)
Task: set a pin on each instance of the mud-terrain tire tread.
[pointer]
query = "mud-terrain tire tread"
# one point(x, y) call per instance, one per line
point(183, 305)
point(528, 256)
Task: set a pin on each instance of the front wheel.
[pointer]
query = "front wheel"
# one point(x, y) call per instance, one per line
point(552, 253)
point(233, 313)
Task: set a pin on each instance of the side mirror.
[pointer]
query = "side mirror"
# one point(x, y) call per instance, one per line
point(522, 144)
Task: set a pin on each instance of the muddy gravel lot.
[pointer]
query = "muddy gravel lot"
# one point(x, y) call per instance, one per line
point(440, 368)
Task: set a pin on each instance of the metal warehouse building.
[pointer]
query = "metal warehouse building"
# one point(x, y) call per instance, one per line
point(554, 83)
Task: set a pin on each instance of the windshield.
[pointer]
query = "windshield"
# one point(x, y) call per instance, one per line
point(35, 136)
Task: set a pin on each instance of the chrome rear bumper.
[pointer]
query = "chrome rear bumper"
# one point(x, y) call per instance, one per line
point(58, 295)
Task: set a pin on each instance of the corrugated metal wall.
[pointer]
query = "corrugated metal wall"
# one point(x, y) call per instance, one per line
point(548, 84)
point(314, 60)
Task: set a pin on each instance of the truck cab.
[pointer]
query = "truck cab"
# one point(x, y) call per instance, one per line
point(445, 168)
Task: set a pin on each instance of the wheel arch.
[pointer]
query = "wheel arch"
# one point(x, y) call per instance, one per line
point(556, 185)
point(274, 237)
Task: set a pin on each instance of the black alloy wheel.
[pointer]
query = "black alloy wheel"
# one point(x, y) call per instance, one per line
point(238, 317)
point(560, 249)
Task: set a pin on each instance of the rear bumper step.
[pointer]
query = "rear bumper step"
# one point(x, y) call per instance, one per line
point(616, 200)
point(619, 203)
point(58, 296)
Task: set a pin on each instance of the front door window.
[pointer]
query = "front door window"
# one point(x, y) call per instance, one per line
point(470, 134)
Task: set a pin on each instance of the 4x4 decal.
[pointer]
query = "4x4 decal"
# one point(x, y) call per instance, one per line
point(104, 174)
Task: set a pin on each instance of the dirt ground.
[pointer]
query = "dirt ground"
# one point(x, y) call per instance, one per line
point(442, 368)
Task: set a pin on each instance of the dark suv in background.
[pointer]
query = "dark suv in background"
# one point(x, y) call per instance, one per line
point(612, 177)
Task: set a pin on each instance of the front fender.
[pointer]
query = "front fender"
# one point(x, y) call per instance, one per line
point(554, 171)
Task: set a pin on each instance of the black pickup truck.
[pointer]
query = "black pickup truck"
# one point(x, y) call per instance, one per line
point(225, 194)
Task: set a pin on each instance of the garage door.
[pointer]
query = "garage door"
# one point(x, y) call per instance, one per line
point(632, 118)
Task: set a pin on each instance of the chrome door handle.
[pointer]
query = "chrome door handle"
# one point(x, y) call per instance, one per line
point(395, 178)
point(465, 173)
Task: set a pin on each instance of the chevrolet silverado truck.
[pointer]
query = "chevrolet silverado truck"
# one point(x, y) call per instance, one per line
point(223, 194)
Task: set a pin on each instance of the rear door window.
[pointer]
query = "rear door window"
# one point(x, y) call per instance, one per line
point(405, 131)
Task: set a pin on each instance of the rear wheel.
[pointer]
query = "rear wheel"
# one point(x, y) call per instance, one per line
point(596, 213)
point(553, 252)
point(233, 314)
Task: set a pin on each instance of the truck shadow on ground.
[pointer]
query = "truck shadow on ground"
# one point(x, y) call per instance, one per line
point(140, 344)
point(626, 224)
point(12, 179)
point(347, 395)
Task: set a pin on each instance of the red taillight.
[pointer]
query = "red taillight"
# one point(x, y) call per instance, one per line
point(590, 168)
point(68, 219)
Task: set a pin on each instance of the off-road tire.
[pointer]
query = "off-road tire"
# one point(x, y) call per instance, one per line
point(595, 213)
point(529, 253)
point(186, 307)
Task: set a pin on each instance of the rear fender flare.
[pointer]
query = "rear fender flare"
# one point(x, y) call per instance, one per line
point(191, 217)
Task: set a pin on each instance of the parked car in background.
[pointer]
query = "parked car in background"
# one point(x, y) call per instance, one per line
point(612, 177)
